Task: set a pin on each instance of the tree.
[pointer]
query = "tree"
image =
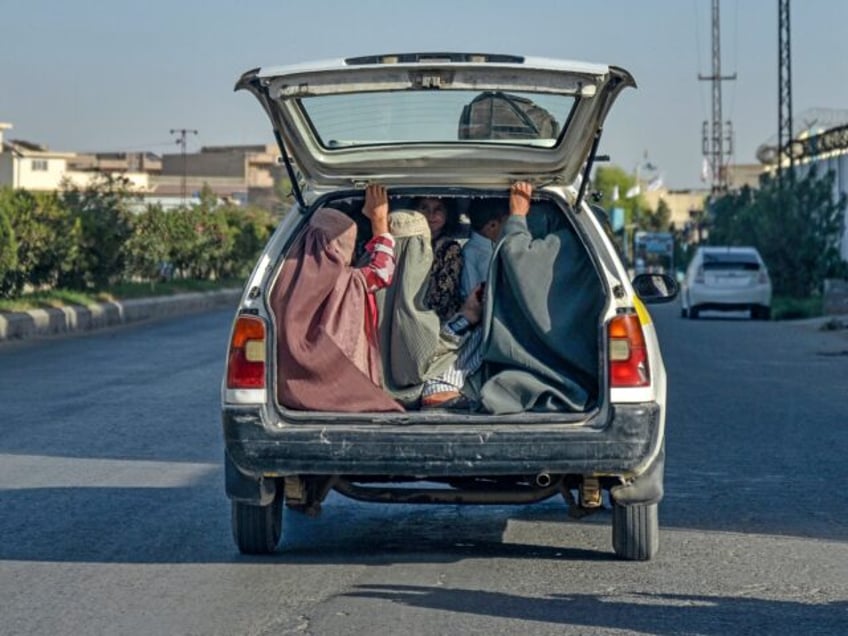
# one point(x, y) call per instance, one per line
point(732, 220)
point(101, 212)
point(659, 220)
point(795, 224)
point(46, 239)
point(608, 180)
point(8, 254)
point(283, 195)
point(213, 238)
point(251, 227)
point(148, 250)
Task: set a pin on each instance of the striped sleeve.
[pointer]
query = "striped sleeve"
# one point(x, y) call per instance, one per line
point(381, 268)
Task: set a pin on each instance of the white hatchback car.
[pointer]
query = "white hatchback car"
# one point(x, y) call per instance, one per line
point(572, 384)
point(723, 278)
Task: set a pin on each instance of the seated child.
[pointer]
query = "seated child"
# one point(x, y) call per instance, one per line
point(487, 219)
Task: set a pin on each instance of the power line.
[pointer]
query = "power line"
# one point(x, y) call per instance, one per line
point(181, 142)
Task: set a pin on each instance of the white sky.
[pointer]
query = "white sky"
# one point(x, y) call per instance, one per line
point(98, 75)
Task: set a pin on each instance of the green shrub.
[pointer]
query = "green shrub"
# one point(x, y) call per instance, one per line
point(101, 214)
point(46, 236)
point(90, 239)
point(8, 254)
point(786, 308)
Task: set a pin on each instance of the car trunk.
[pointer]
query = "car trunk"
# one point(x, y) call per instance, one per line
point(732, 272)
point(416, 119)
point(539, 342)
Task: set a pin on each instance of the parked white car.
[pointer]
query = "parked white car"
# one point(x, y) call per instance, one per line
point(723, 278)
point(464, 128)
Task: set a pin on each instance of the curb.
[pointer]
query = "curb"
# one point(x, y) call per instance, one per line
point(37, 323)
point(830, 322)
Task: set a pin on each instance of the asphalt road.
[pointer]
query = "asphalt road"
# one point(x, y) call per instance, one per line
point(113, 518)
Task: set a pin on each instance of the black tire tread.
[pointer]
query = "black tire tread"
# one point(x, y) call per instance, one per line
point(761, 312)
point(635, 531)
point(257, 529)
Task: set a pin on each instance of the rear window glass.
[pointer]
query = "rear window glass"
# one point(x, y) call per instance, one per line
point(362, 119)
point(730, 262)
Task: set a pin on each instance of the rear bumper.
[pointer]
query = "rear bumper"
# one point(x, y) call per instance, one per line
point(627, 445)
point(729, 298)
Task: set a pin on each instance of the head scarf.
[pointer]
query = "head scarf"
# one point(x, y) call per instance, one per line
point(411, 344)
point(327, 357)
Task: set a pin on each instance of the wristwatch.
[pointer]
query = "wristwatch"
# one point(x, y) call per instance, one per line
point(459, 324)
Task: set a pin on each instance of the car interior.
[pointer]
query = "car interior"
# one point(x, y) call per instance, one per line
point(540, 340)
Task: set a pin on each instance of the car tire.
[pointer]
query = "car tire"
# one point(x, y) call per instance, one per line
point(257, 529)
point(693, 313)
point(760, 312)
point(684, 313)
point(635, 531)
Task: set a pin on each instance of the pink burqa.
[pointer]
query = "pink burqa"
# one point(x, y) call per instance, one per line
point(327, 357)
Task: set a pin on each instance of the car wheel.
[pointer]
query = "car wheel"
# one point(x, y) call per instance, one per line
point(635, 531)
point(693, 313)
point(759, 312)
point(684, 313)
point(257, 529)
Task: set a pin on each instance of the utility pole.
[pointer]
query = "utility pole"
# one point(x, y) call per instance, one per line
point(784, 88)
point(714, 140)
point(181, 142)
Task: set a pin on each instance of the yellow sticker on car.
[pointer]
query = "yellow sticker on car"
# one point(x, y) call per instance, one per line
point(642, 311)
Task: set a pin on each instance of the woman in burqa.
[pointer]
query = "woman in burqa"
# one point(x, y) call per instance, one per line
point(326, 315)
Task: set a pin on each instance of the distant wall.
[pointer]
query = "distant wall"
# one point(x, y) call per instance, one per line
point(218, 164)
point(6, 172)
point(835, 299)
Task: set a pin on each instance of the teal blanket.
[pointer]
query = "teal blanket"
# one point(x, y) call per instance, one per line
point(541, 330)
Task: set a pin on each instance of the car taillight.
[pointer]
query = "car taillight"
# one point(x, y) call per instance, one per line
point(699, 275)
point(762, 277)
point(246, 360)
point(627, 352)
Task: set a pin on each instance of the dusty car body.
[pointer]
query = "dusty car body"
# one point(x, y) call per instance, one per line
point(427, 142)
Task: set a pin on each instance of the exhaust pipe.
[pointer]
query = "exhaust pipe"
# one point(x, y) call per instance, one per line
point(543, 480)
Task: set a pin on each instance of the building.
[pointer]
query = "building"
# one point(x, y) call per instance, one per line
point(30, 166)
point(244, 174)
point(36, 168)
point(117, 162)
point(686, 206)
point(740, 175)
point(238, 174)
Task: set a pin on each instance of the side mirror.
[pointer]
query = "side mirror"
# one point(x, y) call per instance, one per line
point(656, 288)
